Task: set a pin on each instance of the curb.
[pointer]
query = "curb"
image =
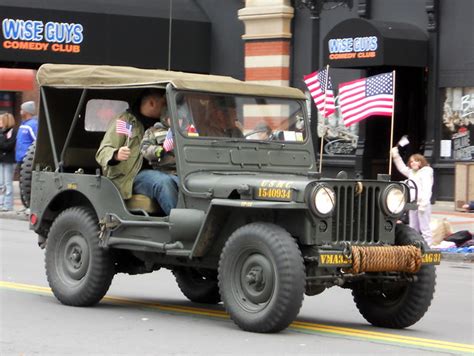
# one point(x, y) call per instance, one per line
point(457, 257)
point(14, 215)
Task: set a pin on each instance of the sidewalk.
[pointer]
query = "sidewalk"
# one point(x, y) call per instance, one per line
point(441, 209)
point(459, 221)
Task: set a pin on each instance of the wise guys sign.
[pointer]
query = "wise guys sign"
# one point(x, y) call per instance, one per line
point(39, 36)
point(36, 36)
point(365, 43)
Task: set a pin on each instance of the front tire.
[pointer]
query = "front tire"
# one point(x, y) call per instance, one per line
point(400, 306)
point(261, 278)
point(79, 272)
point(199, 286)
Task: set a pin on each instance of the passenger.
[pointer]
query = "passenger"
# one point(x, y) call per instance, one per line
point(157, 147)
point(120, 158)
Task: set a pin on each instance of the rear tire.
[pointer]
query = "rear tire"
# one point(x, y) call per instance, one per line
point(262, 278)
point(26, 174)
point(79, 271)
point(199, 286)
point(400, 306)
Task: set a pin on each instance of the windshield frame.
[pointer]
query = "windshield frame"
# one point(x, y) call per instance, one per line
point(174, 94)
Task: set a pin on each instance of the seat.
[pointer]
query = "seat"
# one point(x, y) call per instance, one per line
point(140, 202)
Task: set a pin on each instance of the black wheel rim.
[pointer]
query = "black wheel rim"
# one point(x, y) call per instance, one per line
point(72, 258)
point(253, 280)
point(390, 298)
point(201, 278)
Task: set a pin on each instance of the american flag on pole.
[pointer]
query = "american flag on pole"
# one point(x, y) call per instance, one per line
point(123, 128)
point(365, 97)
point(168, 142)
point(320, 87)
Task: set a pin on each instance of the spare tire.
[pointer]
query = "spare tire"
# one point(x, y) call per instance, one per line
point(26, 173)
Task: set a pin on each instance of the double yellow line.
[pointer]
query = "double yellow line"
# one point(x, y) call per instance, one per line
point(376, 336)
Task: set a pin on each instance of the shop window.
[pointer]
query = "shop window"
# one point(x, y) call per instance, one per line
point(338, 139)
point(457, 133)
point(6, 102)
point(100, 112)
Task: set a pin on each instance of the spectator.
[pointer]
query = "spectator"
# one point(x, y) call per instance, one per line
point(27, 130)
point(7, 160)
point(469, 206)
point(421, 173)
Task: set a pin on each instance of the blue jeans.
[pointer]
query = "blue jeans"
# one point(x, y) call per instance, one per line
point(6, 185)
point(161, 186)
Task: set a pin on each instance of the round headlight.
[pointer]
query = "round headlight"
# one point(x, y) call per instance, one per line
point(395, 200)
point(324, 199)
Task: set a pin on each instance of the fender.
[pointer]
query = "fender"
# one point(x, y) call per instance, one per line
point(218, 212)
point(70, 189)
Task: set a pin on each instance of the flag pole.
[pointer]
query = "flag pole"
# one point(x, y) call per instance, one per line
point(391, 130)
point(321, 153)
point(324, 115)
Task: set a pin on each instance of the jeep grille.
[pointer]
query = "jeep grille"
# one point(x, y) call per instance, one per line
point(357, 214)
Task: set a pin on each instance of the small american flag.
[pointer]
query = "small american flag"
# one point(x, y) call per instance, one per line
point(123, 128)
point(320, 87)
point(168, 142)
point(365, 97)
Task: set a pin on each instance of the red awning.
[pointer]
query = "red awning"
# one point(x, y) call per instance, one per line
point(12, 79)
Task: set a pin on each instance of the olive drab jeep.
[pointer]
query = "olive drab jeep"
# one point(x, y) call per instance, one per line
point(256, 226)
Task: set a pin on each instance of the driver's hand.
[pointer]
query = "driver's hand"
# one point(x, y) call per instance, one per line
point(122, 154)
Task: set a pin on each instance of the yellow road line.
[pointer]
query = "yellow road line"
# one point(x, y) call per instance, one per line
point(391, 338)
point(296, 325)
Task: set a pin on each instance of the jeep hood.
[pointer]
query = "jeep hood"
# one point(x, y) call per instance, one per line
point(222, 184)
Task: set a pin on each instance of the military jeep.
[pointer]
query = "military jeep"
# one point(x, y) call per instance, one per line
point(256, 226)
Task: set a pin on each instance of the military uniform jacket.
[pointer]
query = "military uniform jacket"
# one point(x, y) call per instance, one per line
point(122, 173)
point(152, 149)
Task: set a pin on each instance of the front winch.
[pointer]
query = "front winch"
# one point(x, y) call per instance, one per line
point(358, 259)
point(385, 258)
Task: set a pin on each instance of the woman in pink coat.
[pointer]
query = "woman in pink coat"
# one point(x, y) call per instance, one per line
point(421, 173)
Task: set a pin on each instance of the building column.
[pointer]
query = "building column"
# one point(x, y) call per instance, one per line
point(267, 41)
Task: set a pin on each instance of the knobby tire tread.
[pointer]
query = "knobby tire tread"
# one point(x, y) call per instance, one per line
point(98, 278)
point(26, 175)
point(206, 293)
point(290, 268)
point(415, 301)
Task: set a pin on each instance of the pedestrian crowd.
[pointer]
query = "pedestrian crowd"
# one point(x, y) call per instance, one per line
point(14, 144)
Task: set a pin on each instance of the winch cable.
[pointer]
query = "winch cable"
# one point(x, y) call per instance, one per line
point(385, 259)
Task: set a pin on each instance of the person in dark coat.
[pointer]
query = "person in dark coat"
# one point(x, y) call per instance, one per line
point(7, 160)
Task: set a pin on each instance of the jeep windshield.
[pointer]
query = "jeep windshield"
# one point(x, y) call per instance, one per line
point(240, 118)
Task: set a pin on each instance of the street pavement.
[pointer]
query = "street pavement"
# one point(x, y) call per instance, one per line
point(148, 315)
point(440, 210)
